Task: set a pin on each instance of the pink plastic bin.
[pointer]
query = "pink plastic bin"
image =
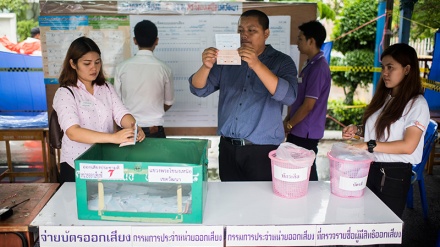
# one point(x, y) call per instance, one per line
point(348, 178)
point(291, 180)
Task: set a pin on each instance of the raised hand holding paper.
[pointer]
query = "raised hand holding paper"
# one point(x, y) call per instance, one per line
point(227, 44)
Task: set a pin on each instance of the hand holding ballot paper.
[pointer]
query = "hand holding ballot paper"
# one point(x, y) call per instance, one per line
point(135, 137)
point(251, 94)
point(227, 45)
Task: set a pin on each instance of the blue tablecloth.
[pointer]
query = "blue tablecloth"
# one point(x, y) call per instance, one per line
point(23, 120)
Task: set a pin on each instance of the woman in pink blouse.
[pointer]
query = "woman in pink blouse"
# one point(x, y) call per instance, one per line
point(87, 111)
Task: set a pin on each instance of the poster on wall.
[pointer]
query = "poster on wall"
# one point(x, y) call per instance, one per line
point(111, 34)
point(182, 40)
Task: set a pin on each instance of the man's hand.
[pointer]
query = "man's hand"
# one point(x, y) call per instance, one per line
point(209, 57)
point(249, 55)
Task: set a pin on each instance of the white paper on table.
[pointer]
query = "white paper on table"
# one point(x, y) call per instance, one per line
point(227, 44)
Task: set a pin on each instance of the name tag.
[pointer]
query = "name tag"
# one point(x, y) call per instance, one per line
point(300, 79)
point(86, 103)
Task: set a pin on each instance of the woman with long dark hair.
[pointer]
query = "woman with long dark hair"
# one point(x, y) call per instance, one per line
point(87, 106)
point(393, 126)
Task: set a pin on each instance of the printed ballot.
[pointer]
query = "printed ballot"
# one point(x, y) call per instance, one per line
point(134, 137)
point(227, 44)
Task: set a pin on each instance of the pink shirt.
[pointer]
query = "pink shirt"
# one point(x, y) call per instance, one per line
point(95, 112)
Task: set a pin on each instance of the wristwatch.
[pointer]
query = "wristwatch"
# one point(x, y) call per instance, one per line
point(289, 126)
point(371, 145)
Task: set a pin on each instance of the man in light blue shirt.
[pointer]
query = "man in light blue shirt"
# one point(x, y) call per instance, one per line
point(251, 100)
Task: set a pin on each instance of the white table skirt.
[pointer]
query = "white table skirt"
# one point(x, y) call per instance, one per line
point(246, 209)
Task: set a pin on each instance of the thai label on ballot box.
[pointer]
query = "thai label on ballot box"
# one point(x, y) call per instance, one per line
point(161, 180)
point(129, 236)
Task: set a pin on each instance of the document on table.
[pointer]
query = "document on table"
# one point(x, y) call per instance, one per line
point(227, 44)
point(134, 137)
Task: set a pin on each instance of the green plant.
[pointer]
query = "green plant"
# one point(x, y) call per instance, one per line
point(344, 114)
point(324, 11)
point(24, 28)
point(338, 77)
point(357, 45)
point(350, 80)
point(357, 58)
point(27, 15)
point(14, 6)
point(355, 14)
point(426, 17)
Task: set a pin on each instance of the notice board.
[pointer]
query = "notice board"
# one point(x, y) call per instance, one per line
point(110, 24)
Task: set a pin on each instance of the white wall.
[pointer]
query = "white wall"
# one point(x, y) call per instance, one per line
point(8, 27)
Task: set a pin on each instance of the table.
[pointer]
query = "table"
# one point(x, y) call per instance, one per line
point(17, 226)
point(240, 208)
point(20, 134)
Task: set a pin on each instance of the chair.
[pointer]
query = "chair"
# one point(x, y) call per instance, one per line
point(437, 244)
point(55, 136)
point(430, 137)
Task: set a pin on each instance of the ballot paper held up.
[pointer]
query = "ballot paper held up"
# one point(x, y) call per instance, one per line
point(227, 44)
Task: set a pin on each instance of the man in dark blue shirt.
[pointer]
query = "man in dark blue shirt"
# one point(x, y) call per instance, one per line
point(251, 100)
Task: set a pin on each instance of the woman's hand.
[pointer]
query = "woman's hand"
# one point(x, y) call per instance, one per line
point(123, 135)
point(349, 132)
point(127, 135)
point(361, 145)
point(140, 135)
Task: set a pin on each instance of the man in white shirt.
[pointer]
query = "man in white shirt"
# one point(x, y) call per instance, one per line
point(144, 83)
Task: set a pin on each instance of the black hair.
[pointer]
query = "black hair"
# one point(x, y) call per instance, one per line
point(315, 30)
point(145, 33)
point(262, 17)
point(78, 48)
point(35, 31)
point(409, 88)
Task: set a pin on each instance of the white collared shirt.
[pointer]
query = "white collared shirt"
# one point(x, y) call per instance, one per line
point(145, 84)
point(415, 114)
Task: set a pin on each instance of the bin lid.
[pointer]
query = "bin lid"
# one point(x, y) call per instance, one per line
point(293, 153)
point(344, 151)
